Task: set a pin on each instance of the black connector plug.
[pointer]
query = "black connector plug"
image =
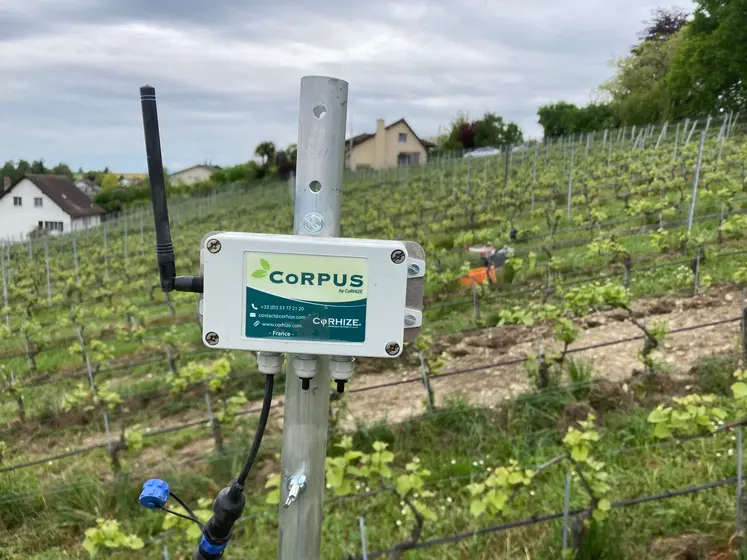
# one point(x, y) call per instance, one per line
point(227, 509)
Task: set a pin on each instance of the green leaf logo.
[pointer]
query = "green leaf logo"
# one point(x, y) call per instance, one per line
point(262, 272)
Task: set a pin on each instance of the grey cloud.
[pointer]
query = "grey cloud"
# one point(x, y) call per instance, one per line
point(227, 73)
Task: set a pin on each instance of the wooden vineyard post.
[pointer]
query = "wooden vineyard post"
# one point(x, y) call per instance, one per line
point(426, 381)
point(476, 298)
point(628, 268)
point(214, 423)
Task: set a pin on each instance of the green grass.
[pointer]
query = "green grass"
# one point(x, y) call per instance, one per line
point(455, 441)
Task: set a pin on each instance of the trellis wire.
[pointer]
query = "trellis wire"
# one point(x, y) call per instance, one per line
point(452, 373)
point(537, 519)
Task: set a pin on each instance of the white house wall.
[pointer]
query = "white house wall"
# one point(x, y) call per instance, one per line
point(191, 176)
point(85, 223)
point(16, 222)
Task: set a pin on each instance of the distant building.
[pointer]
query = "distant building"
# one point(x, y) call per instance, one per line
point(87, 187)
point(40, 204)
point(192, 175)
point(395, 145)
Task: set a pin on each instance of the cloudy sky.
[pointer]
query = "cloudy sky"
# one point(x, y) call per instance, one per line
point(227, 72)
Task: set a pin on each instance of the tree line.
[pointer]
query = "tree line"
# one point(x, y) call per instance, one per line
point(684, 65)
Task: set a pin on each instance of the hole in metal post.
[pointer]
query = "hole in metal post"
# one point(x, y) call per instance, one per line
point(320, 111)
point(315, 186)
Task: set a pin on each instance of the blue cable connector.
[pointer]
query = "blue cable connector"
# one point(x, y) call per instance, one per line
point(155, 493)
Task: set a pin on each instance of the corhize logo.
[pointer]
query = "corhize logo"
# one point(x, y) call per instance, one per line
point(347, 283)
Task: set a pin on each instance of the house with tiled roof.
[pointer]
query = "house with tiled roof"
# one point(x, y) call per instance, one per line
point(395, 145)
point(40, 204)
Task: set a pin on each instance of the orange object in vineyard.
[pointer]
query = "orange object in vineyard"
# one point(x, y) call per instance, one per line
point(479, 275)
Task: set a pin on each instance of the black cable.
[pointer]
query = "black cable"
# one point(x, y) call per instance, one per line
point(188, 518)
point(187, 508)
point(263, 416)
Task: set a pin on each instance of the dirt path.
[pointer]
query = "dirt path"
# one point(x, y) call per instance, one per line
point(490, 386)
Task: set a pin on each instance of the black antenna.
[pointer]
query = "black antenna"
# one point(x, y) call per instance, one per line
point(164, 249)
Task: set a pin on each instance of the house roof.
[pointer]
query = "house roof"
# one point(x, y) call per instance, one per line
point(208, 167)
point(361, 138)
point(63, 192)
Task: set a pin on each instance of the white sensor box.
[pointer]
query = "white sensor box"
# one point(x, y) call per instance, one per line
point(308, 295)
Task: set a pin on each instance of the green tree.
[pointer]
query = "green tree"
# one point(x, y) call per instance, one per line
point(664, 23)
point(492, 130)
point(109, 182)
point(266, 151)
point(640, 90)
point(709, 72)
point(9, 170)
point(285, 160)
point(563, 119)
point(23, 168)
point(38, 167)
point(62, 169)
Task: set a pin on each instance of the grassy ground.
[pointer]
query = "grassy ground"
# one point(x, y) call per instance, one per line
point(455, 441)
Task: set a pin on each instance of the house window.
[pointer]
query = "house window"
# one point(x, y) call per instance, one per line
point(41, 224)
point(16, 201)
point(402, 137)
point(405, 159)
point(52, 226)
point(37, 202)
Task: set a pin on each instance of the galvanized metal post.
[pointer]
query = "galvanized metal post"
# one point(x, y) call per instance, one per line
point(570, 181)
point(106, 250)
point(740, 521)
point(696, 181)
point(566, 503)
point(743, 330)
point(734, 123)
point(46, 260)
point(321, 143)
point(662, 135)
point(364, 546)
point(5, 290)
point(692, 131)
point(534, 172)
point(142, 236)
point(75, 257)
point(125, 243)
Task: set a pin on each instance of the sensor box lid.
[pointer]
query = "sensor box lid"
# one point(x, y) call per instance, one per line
point(310, 295)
